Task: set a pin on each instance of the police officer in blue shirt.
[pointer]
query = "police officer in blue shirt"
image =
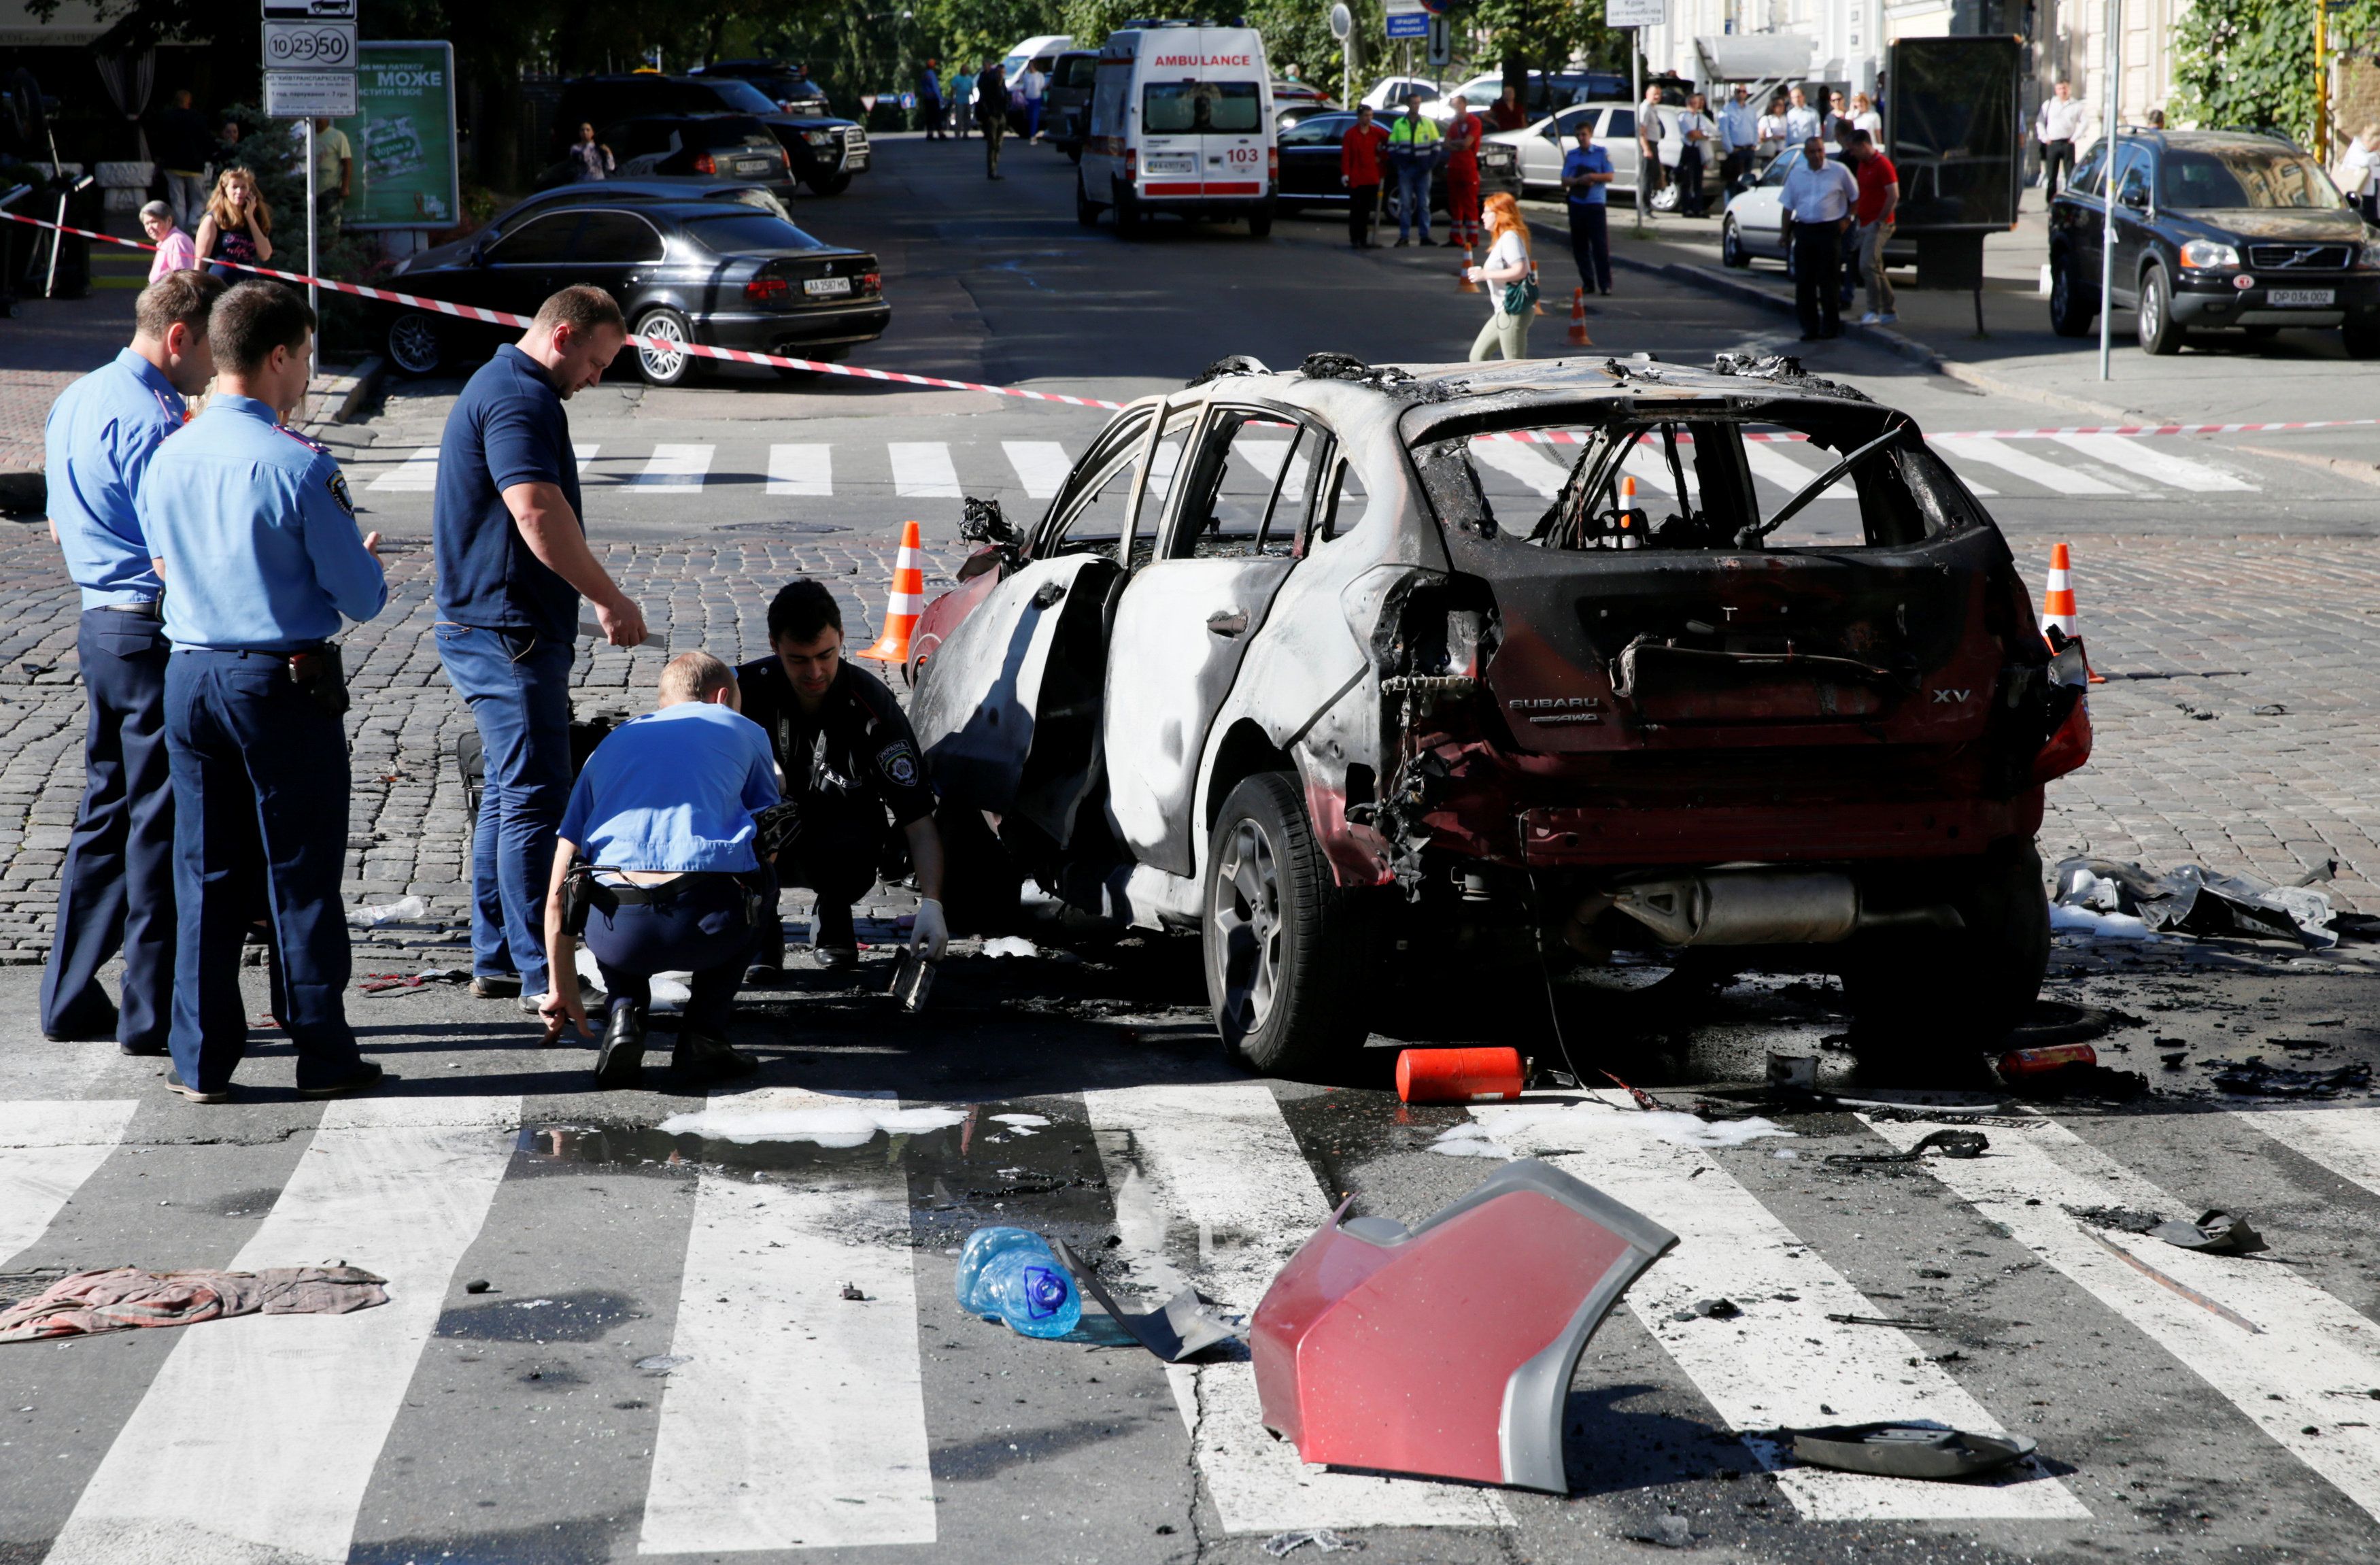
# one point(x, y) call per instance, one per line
point(671, 880)
point(256, 537)
point(119, 881)
point(1586, 175)
point(513, 563)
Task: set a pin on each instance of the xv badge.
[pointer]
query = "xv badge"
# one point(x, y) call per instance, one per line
point(1945, 697)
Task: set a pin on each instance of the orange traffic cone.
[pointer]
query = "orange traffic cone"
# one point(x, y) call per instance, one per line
point(907, 602)
point(1578, 337)
point(1468, 285)
point(2057, 599)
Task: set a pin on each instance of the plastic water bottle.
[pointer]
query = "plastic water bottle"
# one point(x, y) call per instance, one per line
point(1033, 1293)
point(982, 1245)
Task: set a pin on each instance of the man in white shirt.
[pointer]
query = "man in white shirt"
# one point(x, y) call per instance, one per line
point(1738, 138)
point(1648, 143)
point(1695, 130)
point(1818, 203)
point(1802, 121)
point(2062, 119)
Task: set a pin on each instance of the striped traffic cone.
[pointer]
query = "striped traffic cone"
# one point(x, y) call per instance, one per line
point(1465, 272)
point(1578, 337)
point(908, 600)
point(2057, 599)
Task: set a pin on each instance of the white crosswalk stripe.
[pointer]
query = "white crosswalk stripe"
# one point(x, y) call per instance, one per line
point(1532, 467)
point(2024, 465)
point(1042, 466)
point(417, 474)
point(1210, 1176)
point(2160, 462)
point(257, 1439)
point(674, 468)
point(1782, 1362)
point(801, 470)
point(1768, 460)
point(584, 453)
point(798, 1418)
point(922, 469)
point(46, 1152)
point(2343, 1140)
point(2280, 1349)
point(1651, 469)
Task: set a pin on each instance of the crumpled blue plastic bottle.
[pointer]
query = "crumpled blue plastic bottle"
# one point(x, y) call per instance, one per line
point(1010, 1274)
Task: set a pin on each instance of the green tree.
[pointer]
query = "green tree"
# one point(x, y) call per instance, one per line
point(2249, 63)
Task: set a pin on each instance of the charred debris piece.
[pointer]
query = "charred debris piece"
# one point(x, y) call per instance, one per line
point(2253, 1077)
point(1909, 1451)
point(2191, 899)
point(1949, 1142)
point(2216, 1233)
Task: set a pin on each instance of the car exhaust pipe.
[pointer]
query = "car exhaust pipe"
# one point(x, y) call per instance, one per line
point(1765, 907)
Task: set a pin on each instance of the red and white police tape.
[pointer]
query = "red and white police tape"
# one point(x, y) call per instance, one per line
point(738, 356)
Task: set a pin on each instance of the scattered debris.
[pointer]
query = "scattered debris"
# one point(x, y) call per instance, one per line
point(850, 1291)
point(2122, 1219)
point(1903, 1323)
point(2192, 1294)
point(2216, 1233)
point(1357, 1364)
point(1009, 945)
point(1012, 1275)
point(662, 1363)
point(1909, 1451)
point(1709, 1309)
point(85, 1303)
point(1177, 1330)
point(1797, 1072)
point(2273, 709)
point(2194, 900)
point(2253, 1077)
point(1459, 1075)
point(1324, 1540)
point(403, 910)
point(1669, 1532)
point(477, 1285)
point(1949, 1142)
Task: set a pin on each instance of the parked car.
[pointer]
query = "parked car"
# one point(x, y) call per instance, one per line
point(785, 82)
point(713, 271)
point(1548, 90)
point(2213, 229)
point(821, 151)
point(1343, 670)
point(1389, 94)
point(1286, 115)
point(1753, 222)
point(1539, 150)
point(698, 148)
point(1309, 166)
point(1066, 103)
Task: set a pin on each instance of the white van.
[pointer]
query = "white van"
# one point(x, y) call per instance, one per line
point(1046, 48)
point(1181, 122)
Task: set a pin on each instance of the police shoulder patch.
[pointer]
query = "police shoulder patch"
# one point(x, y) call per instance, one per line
point(899, 764)
point(338, 482)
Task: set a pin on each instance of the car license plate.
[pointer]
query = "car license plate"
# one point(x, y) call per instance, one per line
point(2301, 299)
point(1173, 165)
point(827, 287)
point(752, 166)
point(855, 160)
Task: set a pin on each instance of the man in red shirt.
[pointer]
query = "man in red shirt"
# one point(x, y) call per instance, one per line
point(1506, 112)
point(1879, 198)
point(1463, 133)
point(1359, 170)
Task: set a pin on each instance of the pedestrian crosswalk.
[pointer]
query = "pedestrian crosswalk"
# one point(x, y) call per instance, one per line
point(797, 1411)
point(2075, 466)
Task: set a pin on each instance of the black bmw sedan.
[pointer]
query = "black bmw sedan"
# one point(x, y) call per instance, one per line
point(1309, 166)
point(711, 272)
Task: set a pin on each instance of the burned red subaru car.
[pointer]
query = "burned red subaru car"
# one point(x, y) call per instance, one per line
point(1546, 665)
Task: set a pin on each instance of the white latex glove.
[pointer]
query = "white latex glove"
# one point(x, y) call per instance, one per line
point(930, 933)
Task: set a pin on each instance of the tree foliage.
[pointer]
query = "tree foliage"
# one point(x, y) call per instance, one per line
point(2249, 63)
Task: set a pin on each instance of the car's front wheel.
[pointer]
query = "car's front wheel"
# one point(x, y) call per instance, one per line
point(1918, 997)
point(2362, 339)
point(1731, 246)
point(1286, 950)
point(2160, 334)
point(2073, 305)
point(414, 343)
point(665, 365)
point(830, 185)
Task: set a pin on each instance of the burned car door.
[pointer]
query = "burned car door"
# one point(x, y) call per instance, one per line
point(1007, 710)
point(1186, 619)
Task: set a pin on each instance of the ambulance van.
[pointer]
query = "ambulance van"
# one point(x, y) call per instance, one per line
point(1181, 123)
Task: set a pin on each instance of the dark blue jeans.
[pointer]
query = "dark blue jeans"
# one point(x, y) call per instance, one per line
point(1590, 244)
point(518, 687)
point(117, 887)
point(703, 931)
point(261, 784)
point(1413, 198)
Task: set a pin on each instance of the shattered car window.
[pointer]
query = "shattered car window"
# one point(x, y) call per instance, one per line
point(1699, 479)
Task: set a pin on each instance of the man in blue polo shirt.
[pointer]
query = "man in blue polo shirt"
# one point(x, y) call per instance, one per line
point(513, 563)
point(1586, 169)
point(117, 885)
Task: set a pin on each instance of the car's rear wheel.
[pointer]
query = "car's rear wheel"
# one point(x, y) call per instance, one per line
point(1286, 952)
point(665, 367)
point(2073, 304)
point(831, 185)
point(1127, 211)
point(1086, 212)
point(415, 345)
point(1922, 997)
point(1731, 246)
point(1260, 221)
point(2159, 332)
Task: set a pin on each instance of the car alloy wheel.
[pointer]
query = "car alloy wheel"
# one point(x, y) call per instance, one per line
point(665, 367)
point(1247, 926)
point(413, 344)
point(1731, 246)
point(2159, 333)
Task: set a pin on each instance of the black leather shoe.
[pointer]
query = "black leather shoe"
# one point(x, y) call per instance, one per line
point(94, 1028)
point(621, 1061)
point(150, 1051)
point(368, 1075)
point(708, 1055)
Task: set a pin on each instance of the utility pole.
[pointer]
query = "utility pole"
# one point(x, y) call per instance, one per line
point(2321, 82)
point(2109, 181)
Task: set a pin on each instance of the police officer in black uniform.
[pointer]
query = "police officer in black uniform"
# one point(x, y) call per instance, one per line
point(853, 772)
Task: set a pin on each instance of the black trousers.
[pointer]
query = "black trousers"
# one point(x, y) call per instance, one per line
point(1590, 244)
point(1817, 276)
point(117, 887)
point(1733, 170)
point(1363, 205)
point(701, 929)
point(836, 850)
point(1689, 181)
point(2057, 157)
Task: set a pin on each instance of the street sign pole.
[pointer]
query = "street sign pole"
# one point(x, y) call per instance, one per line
point(313, 261)
point(2108, 179)
point(310, 72)
point(1637, 87)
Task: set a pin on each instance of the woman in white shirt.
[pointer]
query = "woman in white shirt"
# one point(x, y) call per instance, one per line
point(1863, 115)
point(2358, 173)
point(1772, 130)
point(1506, 268)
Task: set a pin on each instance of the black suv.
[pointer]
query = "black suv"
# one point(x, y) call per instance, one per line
point(782, 80)
point(734, 149)
point(823, 152)
point(2214, 228)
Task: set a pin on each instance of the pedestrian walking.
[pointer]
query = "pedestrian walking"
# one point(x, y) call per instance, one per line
point(853, 776)
point(513, 563)
point(237, 226)
point(255, 533)
point(656, 864)
point(2060, 121)
point(1739, 142)
point(1463, 130)
point(1036, 86)
point(176, 252)
point(1413, 148)
point(334, 177)
point(1585, 172)
point(930, 100)
point(1359, 171)
point(960, 89)
point(590, 158)
point(1696, 130)
point(180, 140)
point(1817, 204)
point(115, 890)
point(1802, 121)
point(1510, 275)
point(992, 114)
point(1879, 199)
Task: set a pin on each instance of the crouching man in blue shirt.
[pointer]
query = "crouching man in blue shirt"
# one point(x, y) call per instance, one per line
point(662, 814)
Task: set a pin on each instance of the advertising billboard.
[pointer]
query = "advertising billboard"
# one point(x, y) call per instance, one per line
point(403, 136)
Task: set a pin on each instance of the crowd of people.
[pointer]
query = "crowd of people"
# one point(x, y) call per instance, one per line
point(214, 215)
point(217, 557)
point(982, 99)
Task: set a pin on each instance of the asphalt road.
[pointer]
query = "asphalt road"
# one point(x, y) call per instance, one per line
point(667, 1358)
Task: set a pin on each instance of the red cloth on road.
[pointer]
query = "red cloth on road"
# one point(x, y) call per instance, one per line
point(1359, 154)
point(117, 1300)
point(1875, 175)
